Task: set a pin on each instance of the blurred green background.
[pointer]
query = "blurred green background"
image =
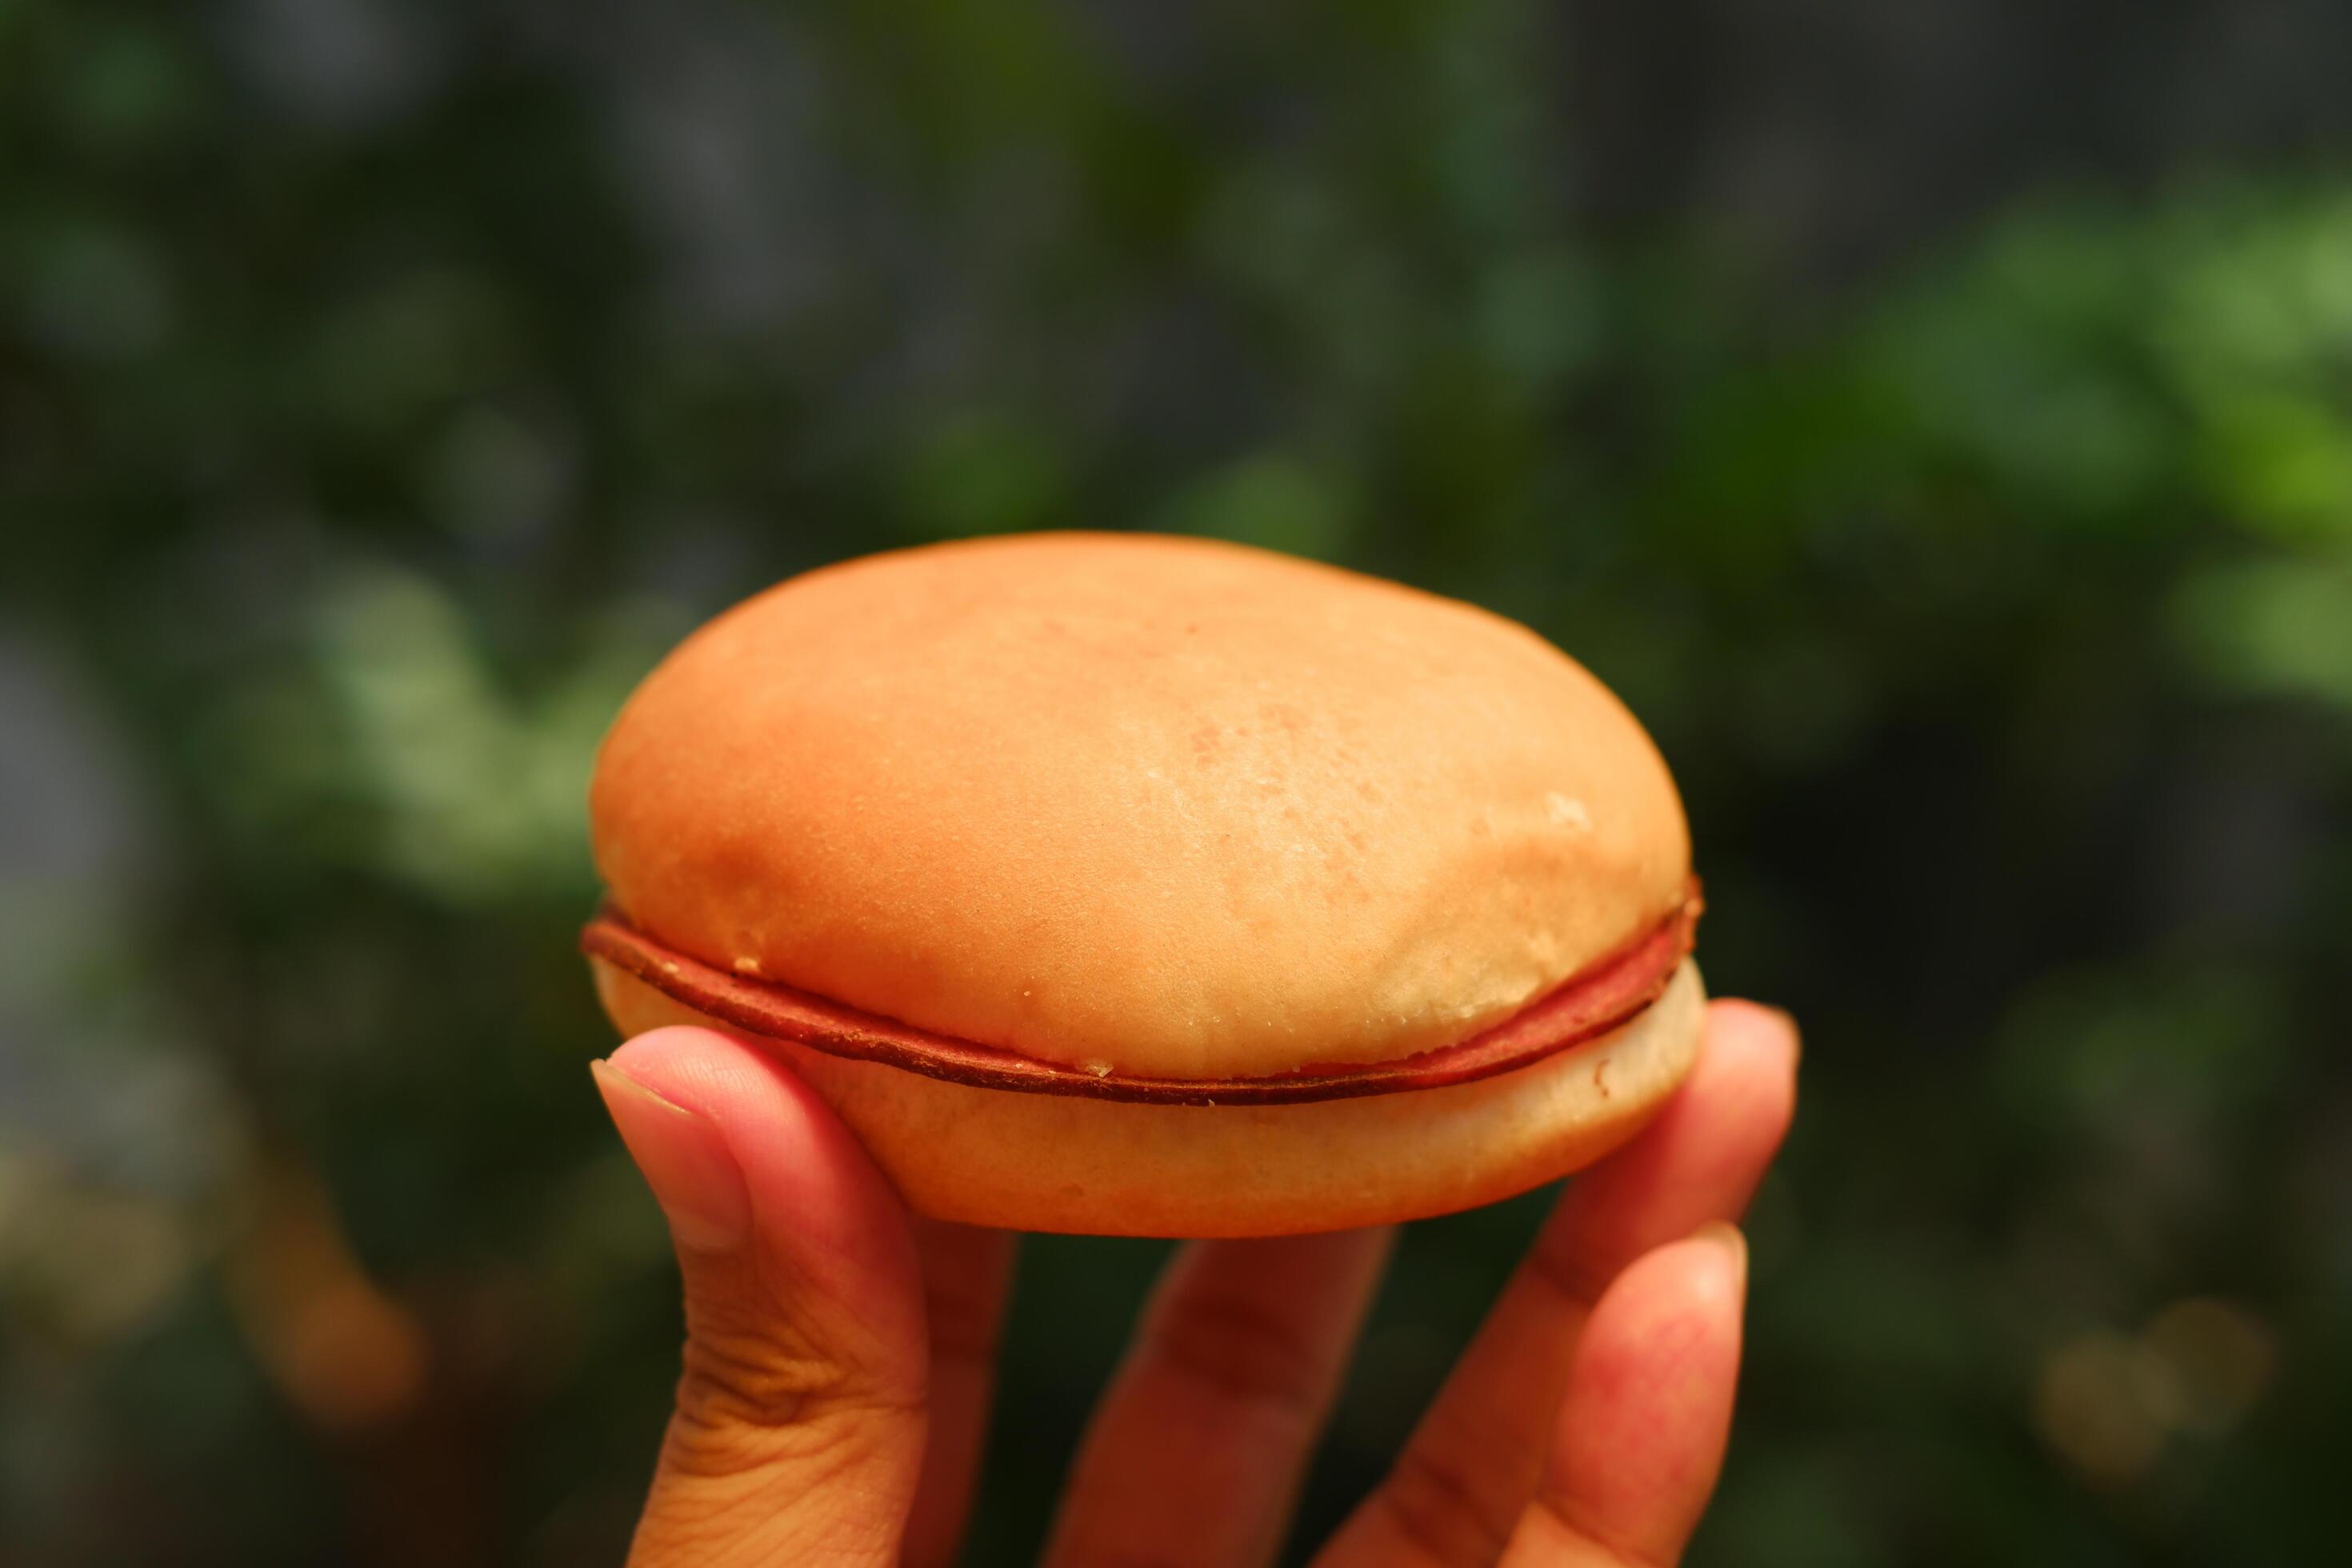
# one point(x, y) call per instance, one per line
point(1935, 418)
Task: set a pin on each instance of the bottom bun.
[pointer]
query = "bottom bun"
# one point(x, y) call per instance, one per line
point(1059, 1163)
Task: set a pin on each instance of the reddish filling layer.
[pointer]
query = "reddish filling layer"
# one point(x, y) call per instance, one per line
point(1601, 998)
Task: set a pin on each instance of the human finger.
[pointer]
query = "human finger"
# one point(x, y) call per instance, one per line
point(1640, 1437)
point(1458, 1489)
point(967, 1279)
point(1194, 1455)
point(798, 1423)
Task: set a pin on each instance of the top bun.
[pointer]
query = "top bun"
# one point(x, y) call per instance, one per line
point(1137, 804)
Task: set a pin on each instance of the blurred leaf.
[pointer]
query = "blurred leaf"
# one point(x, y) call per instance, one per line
point(2257, 286)
point(2283, 463)
point(404, 347)
point(982, 472)
point(2277, 625)
point(93, 290)
point(2095, 1053)
point(129, 88)
point(1539, 317)
point(1270, 501)
point(2020, 366)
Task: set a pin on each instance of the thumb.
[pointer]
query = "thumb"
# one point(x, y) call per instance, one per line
point(798, 1435)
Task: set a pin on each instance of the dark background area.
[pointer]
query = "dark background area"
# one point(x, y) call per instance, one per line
point(1934, 418)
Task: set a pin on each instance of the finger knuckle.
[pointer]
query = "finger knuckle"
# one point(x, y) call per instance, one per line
point(753, 1361)
point(1245, 1351)
point(1439, 1508)
point(1567, 1519)
point(715, 1435)
point(751, 1380)
point(1570, 1265)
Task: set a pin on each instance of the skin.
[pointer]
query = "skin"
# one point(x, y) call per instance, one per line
point(840, 1353)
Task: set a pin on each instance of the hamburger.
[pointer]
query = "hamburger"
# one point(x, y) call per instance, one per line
point(1144, 886)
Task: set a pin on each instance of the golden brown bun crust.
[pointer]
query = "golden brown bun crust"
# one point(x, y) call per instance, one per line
point(1164, 806)
point(1052, 1163)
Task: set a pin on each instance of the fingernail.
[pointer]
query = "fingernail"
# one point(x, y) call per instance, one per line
point(1727, 1238)
point(685, 1159)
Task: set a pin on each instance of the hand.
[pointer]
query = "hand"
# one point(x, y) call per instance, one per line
point(839, 1354)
